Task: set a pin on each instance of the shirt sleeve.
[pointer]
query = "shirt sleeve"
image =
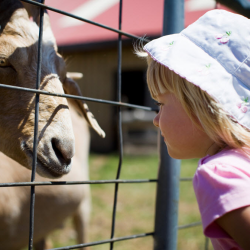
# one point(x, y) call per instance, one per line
point(219, 189)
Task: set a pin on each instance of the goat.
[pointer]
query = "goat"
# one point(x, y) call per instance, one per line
point(18, 67)
point(53, 203)
point(57, 142)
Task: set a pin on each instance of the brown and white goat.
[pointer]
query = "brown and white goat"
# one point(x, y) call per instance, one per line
point(53, 203)
point(18, 67)
point(57, 142)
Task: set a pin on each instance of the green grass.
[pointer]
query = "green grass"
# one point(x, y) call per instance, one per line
point(134, 213)
point(136, 205)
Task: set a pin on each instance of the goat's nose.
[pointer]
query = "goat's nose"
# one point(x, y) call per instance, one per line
point(64, 150)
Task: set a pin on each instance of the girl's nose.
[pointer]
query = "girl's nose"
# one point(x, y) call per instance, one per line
point(156, 121)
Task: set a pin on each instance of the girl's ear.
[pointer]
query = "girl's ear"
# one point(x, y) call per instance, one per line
point(71, 87)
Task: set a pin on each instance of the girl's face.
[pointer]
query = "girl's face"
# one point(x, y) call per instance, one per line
point(184, 140)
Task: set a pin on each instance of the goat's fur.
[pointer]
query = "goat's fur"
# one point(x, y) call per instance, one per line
point(53, 204)
point(18, 67)
point(56, 140)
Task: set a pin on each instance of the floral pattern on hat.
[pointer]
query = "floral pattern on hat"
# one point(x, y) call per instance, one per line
point(243, 105)
point(204, 70)
point(168, 46)
point(224, 38)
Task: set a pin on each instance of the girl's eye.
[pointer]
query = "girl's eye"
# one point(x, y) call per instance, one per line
point(159, 105)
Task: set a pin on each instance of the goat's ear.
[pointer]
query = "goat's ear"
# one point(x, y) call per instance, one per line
point(71, 87)
point(74, 75)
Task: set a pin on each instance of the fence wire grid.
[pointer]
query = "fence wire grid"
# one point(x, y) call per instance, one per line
point(118, 103)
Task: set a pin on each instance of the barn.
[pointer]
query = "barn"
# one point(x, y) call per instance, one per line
point(92, 51)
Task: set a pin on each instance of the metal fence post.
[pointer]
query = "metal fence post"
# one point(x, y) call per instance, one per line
point(166, 217)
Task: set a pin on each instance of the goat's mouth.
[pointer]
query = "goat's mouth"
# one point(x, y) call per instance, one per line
point(47, 169)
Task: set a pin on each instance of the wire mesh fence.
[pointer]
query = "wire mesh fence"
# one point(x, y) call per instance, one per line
point(118, 103)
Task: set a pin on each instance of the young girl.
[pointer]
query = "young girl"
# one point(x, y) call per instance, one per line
point(201, 80)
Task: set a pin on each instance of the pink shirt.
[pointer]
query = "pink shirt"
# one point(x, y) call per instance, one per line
point(222, 184)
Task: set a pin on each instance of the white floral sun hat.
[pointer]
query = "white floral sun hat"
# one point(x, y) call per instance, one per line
point(214, 54)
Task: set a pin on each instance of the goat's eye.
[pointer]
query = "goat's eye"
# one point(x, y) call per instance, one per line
point(4, 62)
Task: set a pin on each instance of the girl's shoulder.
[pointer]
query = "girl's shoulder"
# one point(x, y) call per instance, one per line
point(227, 156)
point(221, 184)
point(227, 170)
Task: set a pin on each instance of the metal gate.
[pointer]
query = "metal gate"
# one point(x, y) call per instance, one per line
point(165, 235)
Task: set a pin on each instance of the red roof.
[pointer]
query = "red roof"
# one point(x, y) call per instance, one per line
point(140, 17)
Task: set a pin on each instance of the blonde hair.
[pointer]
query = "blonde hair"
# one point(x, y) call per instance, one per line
point(202, 109)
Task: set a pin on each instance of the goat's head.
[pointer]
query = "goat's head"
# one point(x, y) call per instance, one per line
point(18, 67)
